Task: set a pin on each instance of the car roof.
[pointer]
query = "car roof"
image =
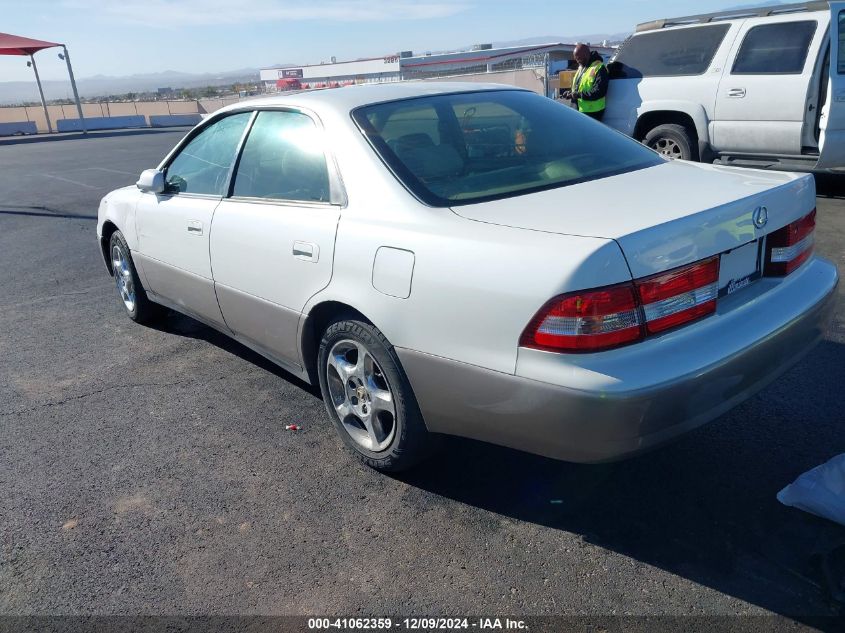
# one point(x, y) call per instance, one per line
point(347, 98)
point(731, 15)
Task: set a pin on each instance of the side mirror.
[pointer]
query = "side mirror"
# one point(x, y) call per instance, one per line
point(151, 180)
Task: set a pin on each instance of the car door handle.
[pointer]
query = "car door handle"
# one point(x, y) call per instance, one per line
point(307, 251)
point(839, 97)
point(194, 227)
point(736, 93)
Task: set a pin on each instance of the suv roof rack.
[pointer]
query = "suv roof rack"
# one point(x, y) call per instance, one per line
point(705, 18)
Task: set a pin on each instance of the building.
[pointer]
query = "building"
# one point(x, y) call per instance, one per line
point(486, 59)
point(482, 59)
point(376, 69)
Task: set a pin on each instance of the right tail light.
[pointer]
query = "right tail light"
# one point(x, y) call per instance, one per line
point(791, 246)
point(604, 318)
point(679, 296)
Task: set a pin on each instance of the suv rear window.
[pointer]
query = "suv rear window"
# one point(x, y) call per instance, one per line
point(468, 147)
point(671, 53)
point(775, 49)
point(841, 60)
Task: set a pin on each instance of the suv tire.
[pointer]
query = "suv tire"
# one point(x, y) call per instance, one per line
point(673, 141)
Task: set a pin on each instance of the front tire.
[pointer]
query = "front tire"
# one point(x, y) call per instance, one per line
point(369, 399)
point(673, 141)
point(132, 295)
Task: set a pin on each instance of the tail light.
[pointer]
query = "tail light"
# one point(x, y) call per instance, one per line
point(679, 296)
point(604, 318)
point(587, 321)
point(791, 246)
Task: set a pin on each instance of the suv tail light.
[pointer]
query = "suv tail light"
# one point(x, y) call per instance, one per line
point(679, 296)
point(586, 321)
point(791, 246)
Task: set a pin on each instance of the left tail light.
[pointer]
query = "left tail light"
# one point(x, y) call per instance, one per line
point(588, 321)
point(791, 246)
point(604, 318)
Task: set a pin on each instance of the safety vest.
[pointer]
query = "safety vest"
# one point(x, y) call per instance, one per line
point(584, 81)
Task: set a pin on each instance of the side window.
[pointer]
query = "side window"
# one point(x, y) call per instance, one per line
point(283, 159)
point(203, 164)
point(841, 60)
point(671, 53)
point(775, 49)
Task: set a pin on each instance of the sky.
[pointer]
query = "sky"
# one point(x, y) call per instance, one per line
point(125, 37)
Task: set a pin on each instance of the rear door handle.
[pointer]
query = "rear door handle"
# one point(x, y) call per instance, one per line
point(194, 227)
point(307, 251)
point(736, 93)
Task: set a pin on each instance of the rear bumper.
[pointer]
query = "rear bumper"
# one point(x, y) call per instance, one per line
point(607, 406)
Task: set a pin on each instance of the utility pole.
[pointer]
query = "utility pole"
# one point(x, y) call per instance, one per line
point(66, 57)
point(546, 71)
point(41, 92)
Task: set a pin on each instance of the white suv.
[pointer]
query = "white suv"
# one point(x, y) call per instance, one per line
point(749, 87)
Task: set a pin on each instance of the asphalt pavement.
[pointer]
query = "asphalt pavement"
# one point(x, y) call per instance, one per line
point(148, 471)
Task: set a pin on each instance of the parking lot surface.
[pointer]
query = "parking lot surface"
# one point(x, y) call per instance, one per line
point(148, 471)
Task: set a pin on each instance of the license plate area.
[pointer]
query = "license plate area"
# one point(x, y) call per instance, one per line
point(739, 268)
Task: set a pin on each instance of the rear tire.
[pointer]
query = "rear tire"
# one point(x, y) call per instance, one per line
point(369, 399)
point(132, 295)
point(673, 141)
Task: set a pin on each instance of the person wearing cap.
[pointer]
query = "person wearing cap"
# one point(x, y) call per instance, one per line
point(589, 86)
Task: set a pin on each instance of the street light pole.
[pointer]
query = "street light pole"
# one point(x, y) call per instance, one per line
point(547, 69)
point(41, 92)
point(75, 93)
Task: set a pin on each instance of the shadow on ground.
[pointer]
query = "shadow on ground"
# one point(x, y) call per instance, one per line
point(702, 509)
point(94, 134)
point(45, 212)
point(693, 508)
point(182, 325)
point(830, 186)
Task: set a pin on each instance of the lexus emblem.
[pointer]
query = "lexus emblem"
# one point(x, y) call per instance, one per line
point(760, 217)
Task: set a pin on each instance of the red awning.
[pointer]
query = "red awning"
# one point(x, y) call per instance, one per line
point(17, 45)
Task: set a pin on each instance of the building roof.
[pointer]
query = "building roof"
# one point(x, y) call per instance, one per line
point(487, 55)
point(395, 63)
point(348, 98)
point(336, 63)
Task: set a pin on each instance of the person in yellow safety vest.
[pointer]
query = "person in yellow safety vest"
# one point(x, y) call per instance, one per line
point(589, 87)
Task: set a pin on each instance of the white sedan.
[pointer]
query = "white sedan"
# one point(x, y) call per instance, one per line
point(475, 260)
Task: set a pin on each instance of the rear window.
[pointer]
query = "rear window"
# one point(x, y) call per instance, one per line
point(470, 147)
point(775, 49)
point(841, 60)
point(671, 53)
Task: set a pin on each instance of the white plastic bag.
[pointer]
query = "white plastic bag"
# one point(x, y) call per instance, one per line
point(820, 491)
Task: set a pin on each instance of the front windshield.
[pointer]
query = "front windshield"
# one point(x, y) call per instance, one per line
point(461, 148)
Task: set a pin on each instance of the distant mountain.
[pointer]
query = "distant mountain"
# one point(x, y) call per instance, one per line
point(102, 85)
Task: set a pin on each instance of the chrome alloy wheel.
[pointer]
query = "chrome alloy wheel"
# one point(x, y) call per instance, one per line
point(667, 147)
point(123, 277)
point(361, 395)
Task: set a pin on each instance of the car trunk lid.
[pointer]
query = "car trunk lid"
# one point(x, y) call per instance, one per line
point(662, 217)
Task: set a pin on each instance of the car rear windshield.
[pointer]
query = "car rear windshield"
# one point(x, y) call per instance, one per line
point(454, 149)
